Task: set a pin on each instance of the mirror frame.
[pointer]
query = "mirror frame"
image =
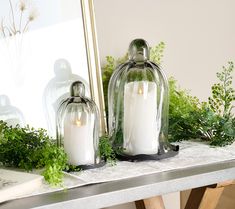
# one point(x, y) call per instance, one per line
point(93, 62)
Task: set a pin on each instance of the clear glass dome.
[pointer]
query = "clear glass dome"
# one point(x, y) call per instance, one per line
point(78, 128)
point(10, 114)
point(57, 90)
point(138, 107)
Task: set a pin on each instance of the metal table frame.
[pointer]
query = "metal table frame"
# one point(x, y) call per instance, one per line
point(128, 190)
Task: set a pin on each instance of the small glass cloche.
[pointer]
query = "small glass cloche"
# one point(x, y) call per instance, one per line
point(10, 114)
point(138, 107)
point(56, 90)
point(78, 128)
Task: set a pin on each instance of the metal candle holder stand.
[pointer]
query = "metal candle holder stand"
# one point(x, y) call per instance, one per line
point(88, 167)
point(162, 154)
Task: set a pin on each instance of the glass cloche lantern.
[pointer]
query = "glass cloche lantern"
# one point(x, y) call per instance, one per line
point(10, 114)
point(138, 107)
point(56, 90)
point(78, 128)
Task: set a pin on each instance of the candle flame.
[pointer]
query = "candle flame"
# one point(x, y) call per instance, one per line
point(140, 91)
point(78, 123)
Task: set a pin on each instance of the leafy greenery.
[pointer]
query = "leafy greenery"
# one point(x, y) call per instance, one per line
point(183, 113)
point(221, 121)
point(28, 148)
point(107, 72)
point(156, 53)
point(106, 150)
point(222, 93)
point(211, 121)
point(54, 160)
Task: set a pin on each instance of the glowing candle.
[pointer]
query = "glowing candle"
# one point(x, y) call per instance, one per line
point(140, 118)
point(78, 142)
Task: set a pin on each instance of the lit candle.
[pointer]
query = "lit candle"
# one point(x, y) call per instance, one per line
point(140, 118)
point(78, 141)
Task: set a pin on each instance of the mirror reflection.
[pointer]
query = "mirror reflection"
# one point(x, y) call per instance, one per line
point(42, 52)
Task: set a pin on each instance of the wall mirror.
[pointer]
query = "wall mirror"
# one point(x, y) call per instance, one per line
point(44, 46)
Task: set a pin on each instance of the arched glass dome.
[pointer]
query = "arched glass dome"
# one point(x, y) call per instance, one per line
point(56, 90)
point(10, 114)
point(138, 107)
point(78, 128)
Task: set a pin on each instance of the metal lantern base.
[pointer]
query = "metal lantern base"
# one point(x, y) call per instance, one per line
point(174, 150)
point(87, 167)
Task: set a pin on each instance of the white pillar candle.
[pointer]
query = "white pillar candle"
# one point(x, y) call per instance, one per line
point(140, 118)
point(78, 141)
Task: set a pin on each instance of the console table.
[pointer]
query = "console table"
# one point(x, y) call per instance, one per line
point(143, 187)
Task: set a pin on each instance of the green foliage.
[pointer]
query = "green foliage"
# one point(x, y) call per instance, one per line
point(222, 93)
point(107, 71)
point(212, 121)
point(28, 148)
point(184, 111)
point(156, 53)
point(54, 160)
point(220, 119)
point(106, 150)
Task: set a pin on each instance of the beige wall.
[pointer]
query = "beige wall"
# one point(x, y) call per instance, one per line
point(199, 37)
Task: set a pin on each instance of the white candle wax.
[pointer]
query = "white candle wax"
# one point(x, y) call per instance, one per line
point(140, 118)
point(78, 142)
